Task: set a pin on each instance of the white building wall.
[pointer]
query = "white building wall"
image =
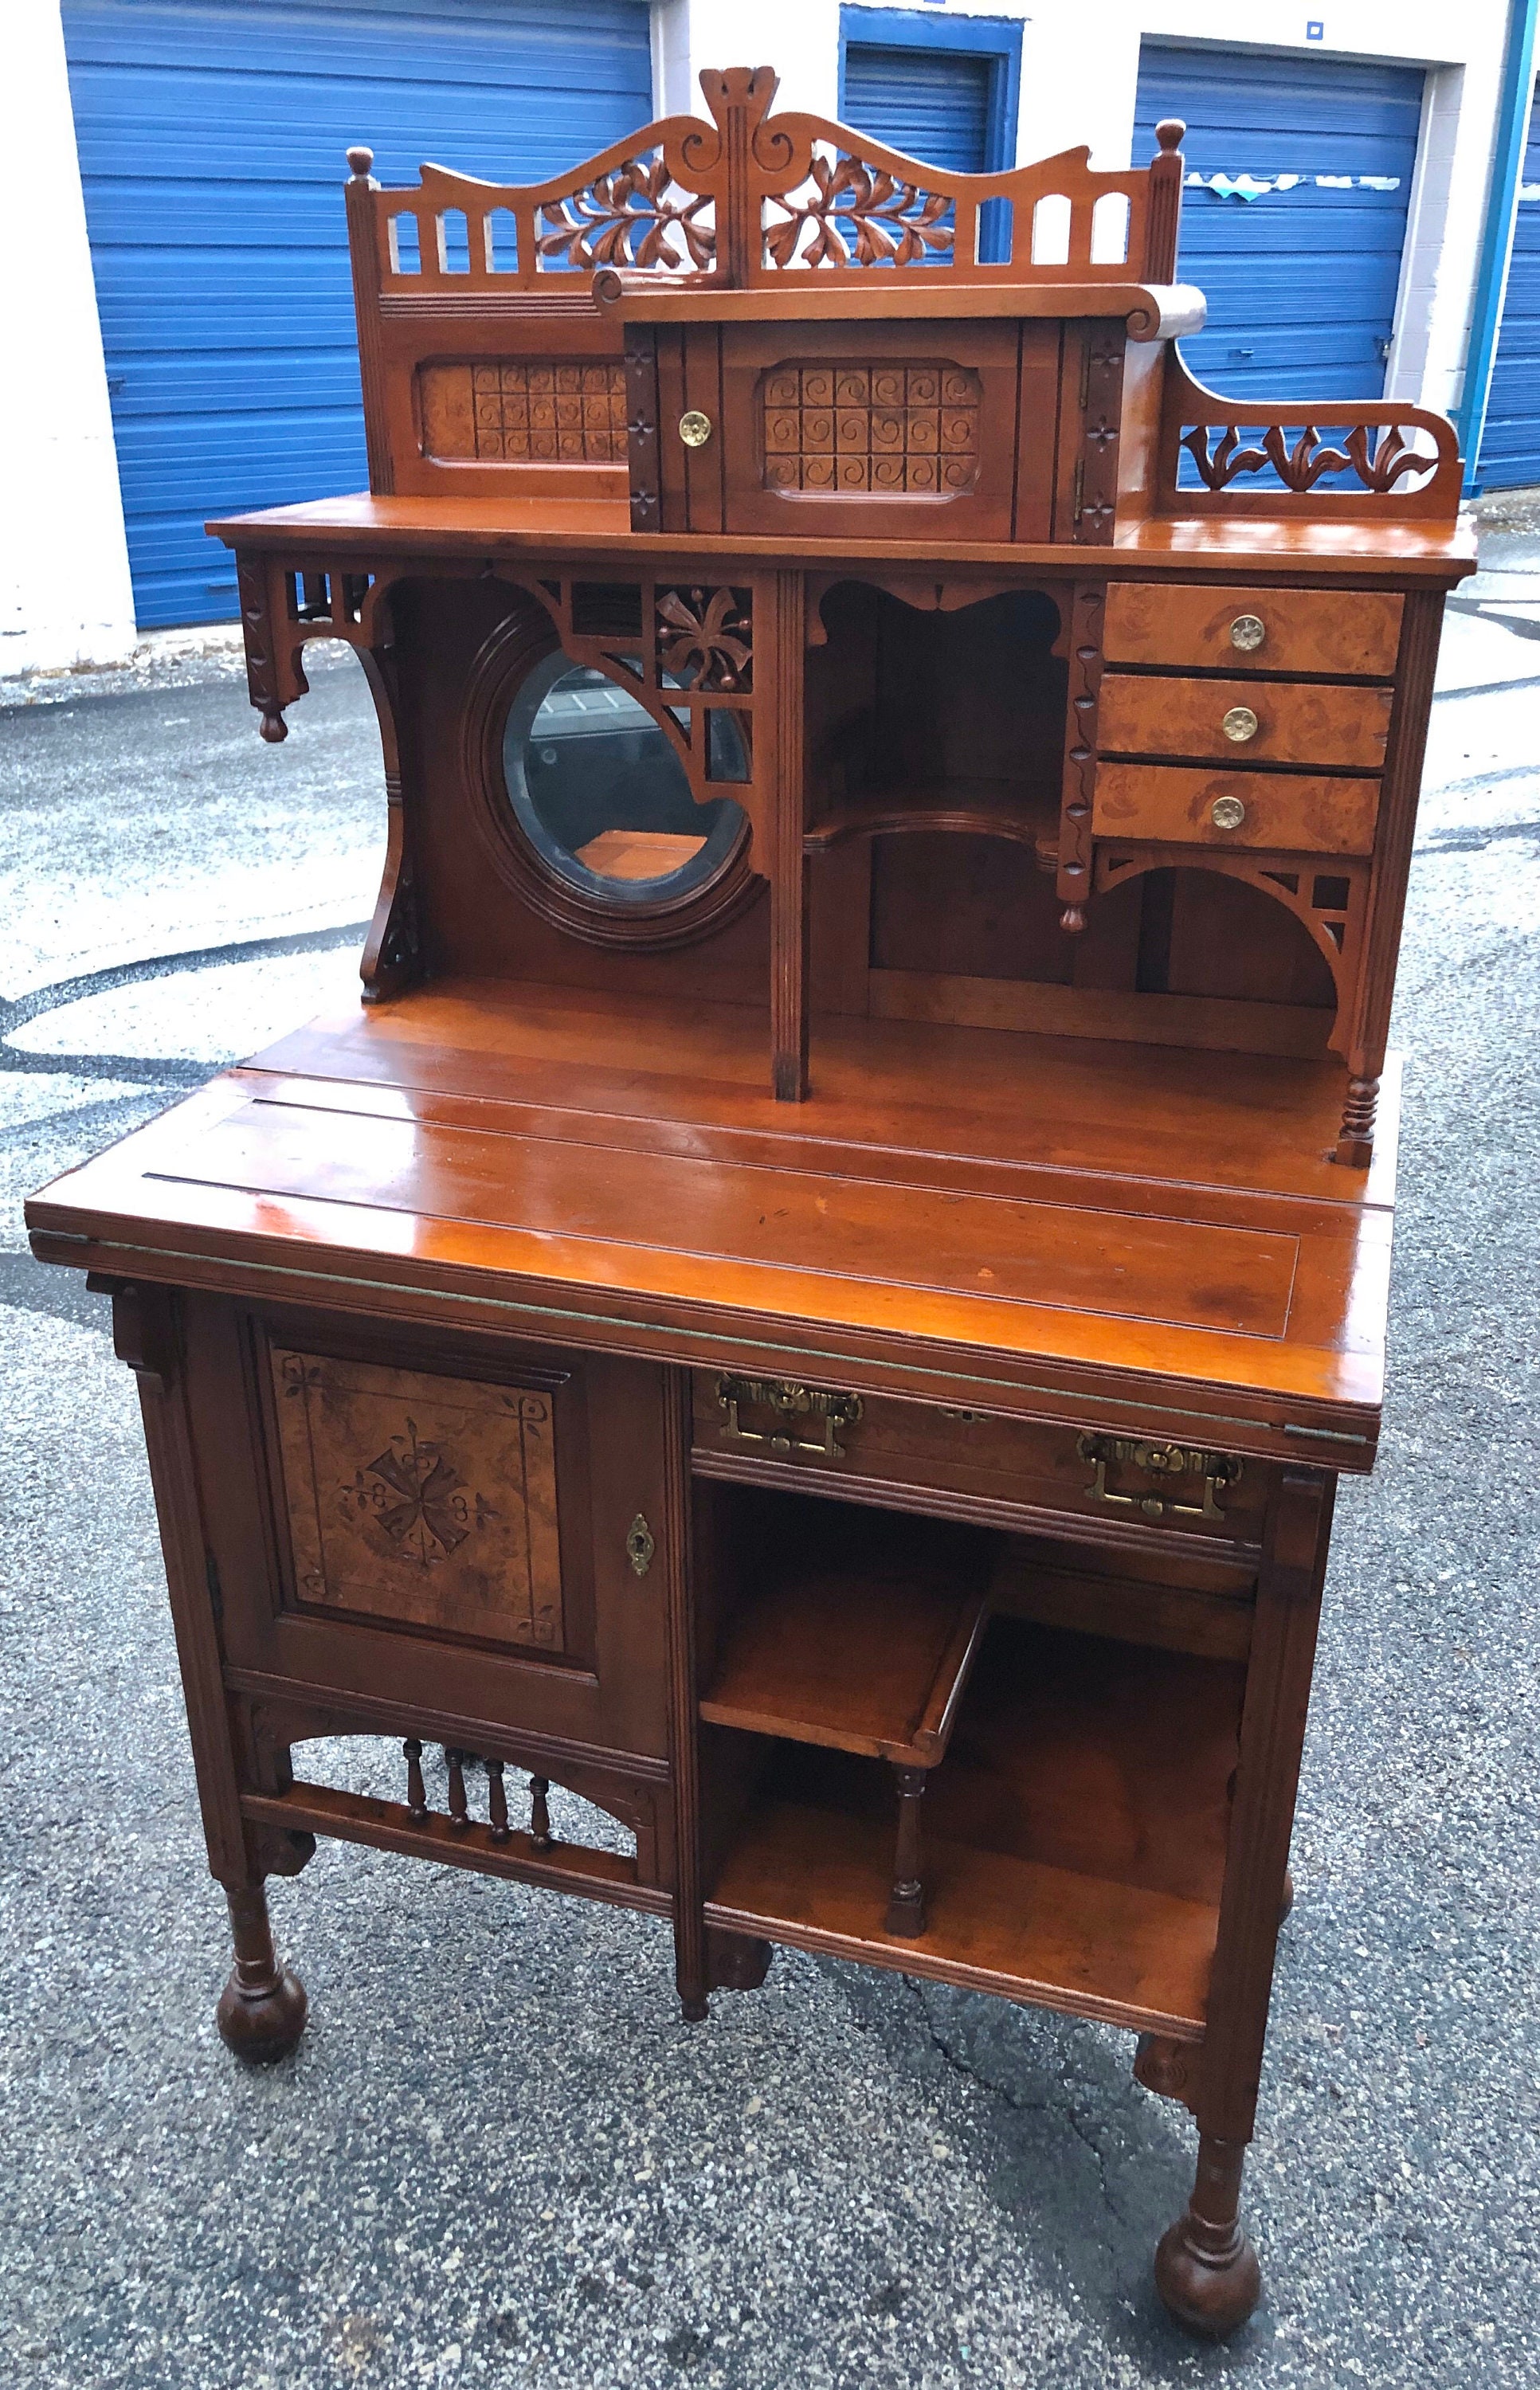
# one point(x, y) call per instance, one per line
point(1080, 75)
point(65, 595)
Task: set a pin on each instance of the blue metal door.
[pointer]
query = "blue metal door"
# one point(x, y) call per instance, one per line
point(1294, 215)
point(211, 137)
point(1511, 442)
point(930, 104)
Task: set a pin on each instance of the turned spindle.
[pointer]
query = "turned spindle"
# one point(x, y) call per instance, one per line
point(459, 1812)
point(906, 1901)
point(417, 1790)
point(497, 1802)
point(541, 1836)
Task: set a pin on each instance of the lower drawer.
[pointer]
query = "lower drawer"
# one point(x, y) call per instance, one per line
point(1187, 807)
point(827, 1433)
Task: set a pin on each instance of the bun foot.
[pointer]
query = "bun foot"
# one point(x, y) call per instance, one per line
point(693, 2008)
point(1210, 2290)
point(261, 2024)
point(1206, 2269)
point(263, 2009)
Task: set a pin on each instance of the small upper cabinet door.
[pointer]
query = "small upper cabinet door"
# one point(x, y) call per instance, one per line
point(901, 431)
point(480, 1538)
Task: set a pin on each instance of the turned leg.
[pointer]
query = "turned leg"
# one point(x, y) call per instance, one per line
point(1355, 1138)
point(261, 2009)
point(1206, 2269)
point(906, 1902)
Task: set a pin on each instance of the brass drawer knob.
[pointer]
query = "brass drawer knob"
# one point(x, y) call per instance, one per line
point(1239, 725)
point(695, 428)
point(1247, 633)
point(1227, 812)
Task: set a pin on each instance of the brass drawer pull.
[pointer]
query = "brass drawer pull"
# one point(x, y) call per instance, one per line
point(789, 1402)
point(1159, 1460)
point(640, 1545)
point(1239, 725)
point(1227, 812)
point(1247, 633)
point(695, 428)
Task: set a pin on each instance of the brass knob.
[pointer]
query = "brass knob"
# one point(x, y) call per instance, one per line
point(1239, 725)
point(695, 428)
point(1247, 633)
point(1227, 812)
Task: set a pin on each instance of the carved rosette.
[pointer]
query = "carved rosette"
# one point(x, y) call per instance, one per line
point(705, 640)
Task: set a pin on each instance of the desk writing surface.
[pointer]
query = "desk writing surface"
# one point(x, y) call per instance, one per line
point(618, 1167)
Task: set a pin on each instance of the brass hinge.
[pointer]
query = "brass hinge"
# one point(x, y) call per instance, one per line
point(1159, 1460)
point(1078, 501)
point(788, 1401)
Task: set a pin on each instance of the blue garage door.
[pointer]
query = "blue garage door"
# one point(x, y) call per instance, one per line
point(930, 104)
point(1300, 275)
point(1511, 443)
point(212, 140)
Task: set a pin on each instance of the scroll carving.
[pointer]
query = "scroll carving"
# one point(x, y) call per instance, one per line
point(1309, 460)
point(894, 222)
point(1390, 459)
point(751, 196)
point(629, 217)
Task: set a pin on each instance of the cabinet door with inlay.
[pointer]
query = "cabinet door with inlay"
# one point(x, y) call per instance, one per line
point(472, 1532)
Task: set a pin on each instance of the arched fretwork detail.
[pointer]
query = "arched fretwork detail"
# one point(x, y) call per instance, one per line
point(1327, 894)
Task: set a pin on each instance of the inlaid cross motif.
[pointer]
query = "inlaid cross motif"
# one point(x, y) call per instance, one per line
point(418, 1498)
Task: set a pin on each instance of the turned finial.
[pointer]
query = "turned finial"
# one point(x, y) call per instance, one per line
point(1168, 133)
point(362, 163)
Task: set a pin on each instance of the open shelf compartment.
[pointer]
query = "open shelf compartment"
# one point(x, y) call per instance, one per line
point(1074, 1835)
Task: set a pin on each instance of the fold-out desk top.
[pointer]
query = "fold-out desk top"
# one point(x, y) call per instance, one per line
point(1143, 1238)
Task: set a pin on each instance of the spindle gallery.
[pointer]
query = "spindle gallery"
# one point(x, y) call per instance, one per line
point(820, 1300)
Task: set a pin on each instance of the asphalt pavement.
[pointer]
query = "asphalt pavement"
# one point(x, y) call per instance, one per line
point(497, 2156)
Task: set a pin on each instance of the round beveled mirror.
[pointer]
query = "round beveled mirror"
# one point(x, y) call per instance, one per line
point(602, 795)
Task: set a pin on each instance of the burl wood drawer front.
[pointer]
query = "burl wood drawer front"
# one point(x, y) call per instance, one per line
point(1355, 631)
point(1298, 816)
point(1245, 721)
point(833, 1434)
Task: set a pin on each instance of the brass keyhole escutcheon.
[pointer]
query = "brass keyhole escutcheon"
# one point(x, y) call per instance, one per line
point(695, 428)
point(1247, 633)
point(1227, 812)
point(640, 1545)
point(1239, 725)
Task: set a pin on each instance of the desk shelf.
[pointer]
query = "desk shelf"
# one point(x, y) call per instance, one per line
point(1074, 1842)
point(868, 1664)
point(971, 807)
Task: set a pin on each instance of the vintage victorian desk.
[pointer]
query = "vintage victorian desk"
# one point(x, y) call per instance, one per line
point(830, 1279)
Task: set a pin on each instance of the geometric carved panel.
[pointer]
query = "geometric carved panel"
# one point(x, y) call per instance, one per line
point(538, 412)
point(420, 1498)
point(905, 429)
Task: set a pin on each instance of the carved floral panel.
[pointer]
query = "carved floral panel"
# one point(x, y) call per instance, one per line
point(909, 428)
point(422, 1499)
point(539, 411)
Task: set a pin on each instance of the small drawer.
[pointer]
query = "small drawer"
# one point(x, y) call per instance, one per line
point(1241, 722)
point(775, 1424)
point(1282, 811)
point(1355, 631)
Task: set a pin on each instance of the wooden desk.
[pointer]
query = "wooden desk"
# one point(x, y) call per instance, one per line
point(822, 1298)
